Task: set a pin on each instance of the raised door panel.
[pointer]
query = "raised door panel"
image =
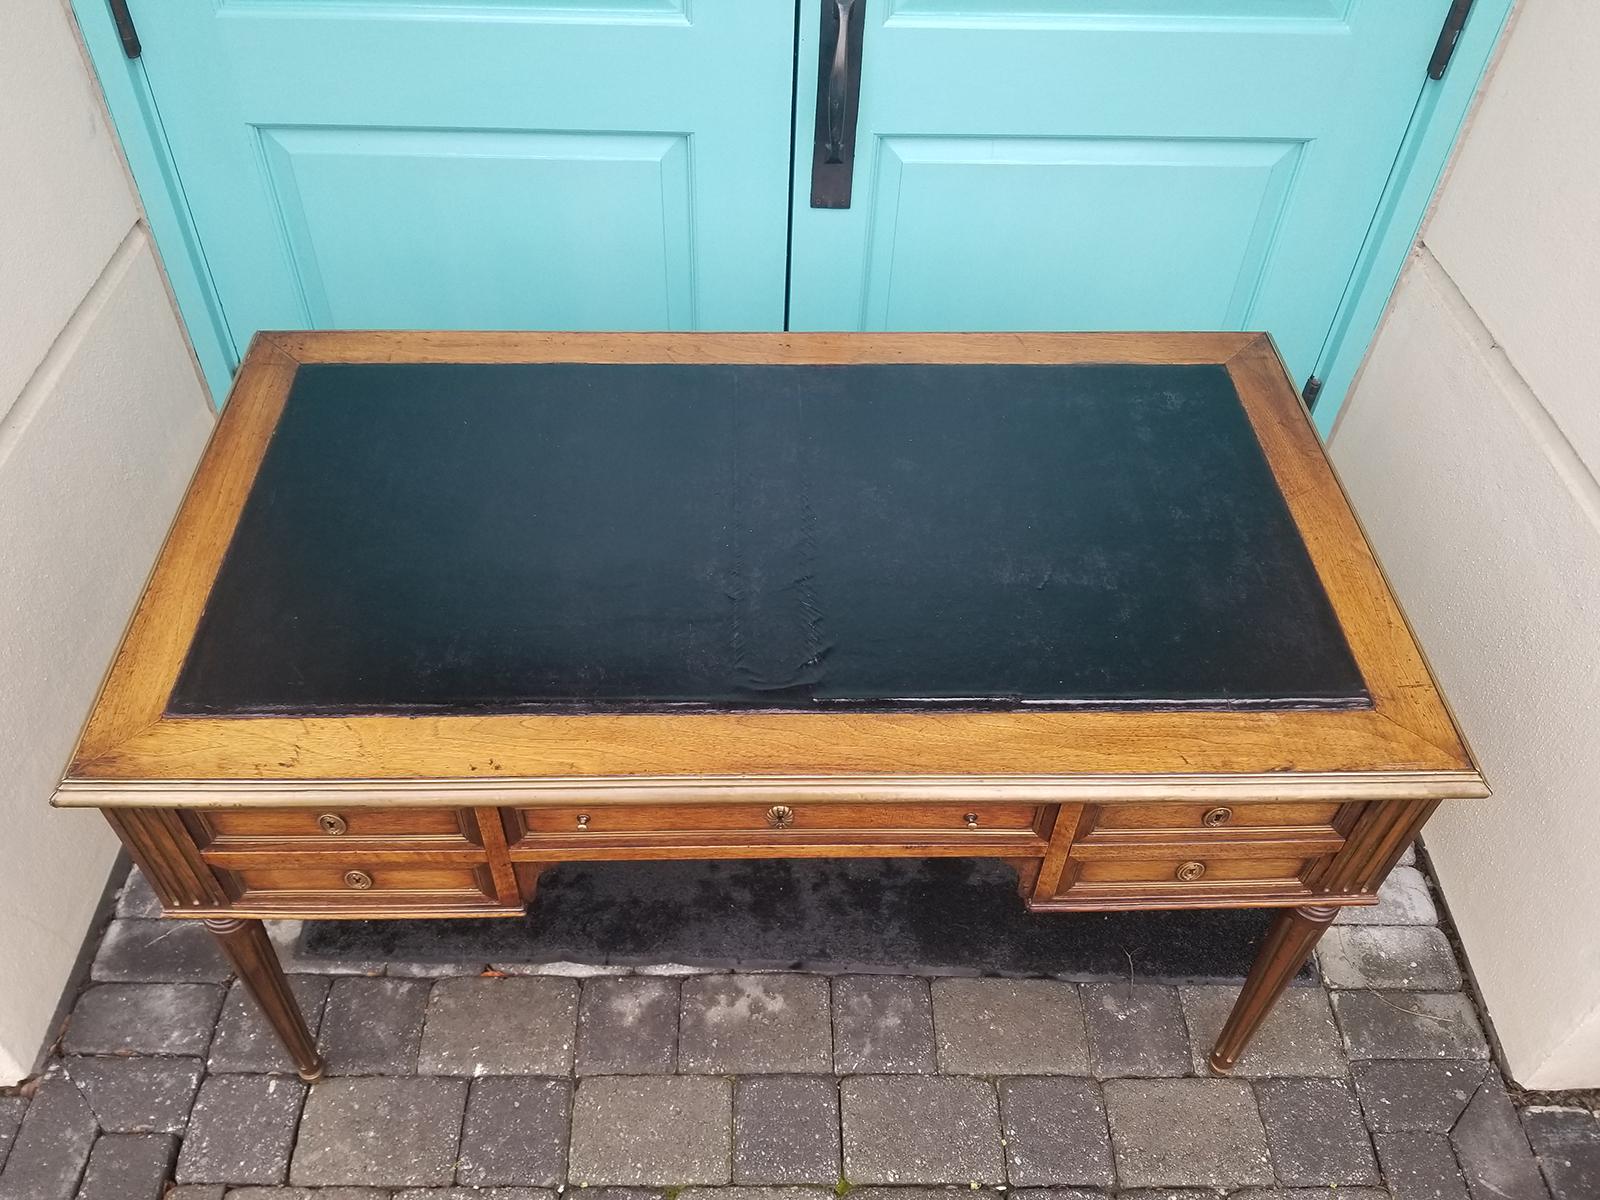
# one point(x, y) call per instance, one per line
point(1211, 204)
point(1109, 164)
point(419, 259)
point(521, 164)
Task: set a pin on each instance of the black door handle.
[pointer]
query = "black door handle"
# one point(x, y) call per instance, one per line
point(126, 33)
point(838, 101)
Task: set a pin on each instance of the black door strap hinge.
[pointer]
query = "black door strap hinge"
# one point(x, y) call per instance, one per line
point(1311, 390)
point(1454, 21)
point(123, 19)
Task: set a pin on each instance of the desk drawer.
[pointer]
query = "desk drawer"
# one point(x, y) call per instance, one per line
point(1118, 821)
point(1180, 881)
point(800, 821)
point(294, 828)
point(1186, 873)
point(353, 884)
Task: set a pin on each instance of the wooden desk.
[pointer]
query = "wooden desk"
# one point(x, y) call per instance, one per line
point(441, 610)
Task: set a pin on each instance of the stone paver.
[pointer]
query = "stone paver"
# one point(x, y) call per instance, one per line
point(1567, 1141)
point(515, 1132)
point(882, 1025)
point(394, 1132)
point(140, 951)
point(197, 1191)
point(1316, 1134)
point(635, 1131)
point(137, 898)
point(129, 1166)
point(285, 937)
point(138, 1095)
point(1419, 1166)
point(628, 1026)
point(920, 1129)
point(1493, 1150)
point(52, 1145)
point(373, 1026)
point(1404, 899)
point(755, 1193)
point(1186, 1133)
point(1409, 1025)
point(1425, 1096)
point(1135, 1030)
point(505, 1193)
point(512, 1026)
point(1060, 1194)
point(1010, 1027)
point(1351, 1193)
point(11, 1110)
point(755, 1024)
point(245, 1043)
point(1415, 958)
point(241, 1130)
point(786, 1129)
point(144, 1018)
point(1055, 1132)
point(294, 1193)
point(1299, 1037)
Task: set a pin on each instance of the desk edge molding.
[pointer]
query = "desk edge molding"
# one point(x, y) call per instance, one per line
point(719, 789)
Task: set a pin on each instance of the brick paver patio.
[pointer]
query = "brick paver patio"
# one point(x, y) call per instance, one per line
point(518, 1082)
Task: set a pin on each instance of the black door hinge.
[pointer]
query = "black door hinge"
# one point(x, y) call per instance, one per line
point(123, 19)
point(1310, 392)
point(1454, 21)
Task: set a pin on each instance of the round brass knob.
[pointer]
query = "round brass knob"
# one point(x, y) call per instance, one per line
point(583, 822)
point(331, 823)
point(1190, 871)
point(1217, 816)
point(972, 820)
point(359, 880)
point(780, 816)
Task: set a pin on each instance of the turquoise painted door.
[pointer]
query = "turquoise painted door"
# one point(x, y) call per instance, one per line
point(1108, 164)
point(493, 164)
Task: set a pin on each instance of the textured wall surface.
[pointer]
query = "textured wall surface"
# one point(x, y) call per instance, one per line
point(102, 416)
point(1471, 448)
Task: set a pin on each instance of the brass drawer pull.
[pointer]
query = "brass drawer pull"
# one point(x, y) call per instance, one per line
point(583, 822)
point(332, 824)
point(359, 880)
point(1217, 816)
point(780, 816)
point(971, 819)
point(1190, 871)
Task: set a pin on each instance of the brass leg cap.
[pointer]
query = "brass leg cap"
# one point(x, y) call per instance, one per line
point(312, 1074)
point(1219, 1066)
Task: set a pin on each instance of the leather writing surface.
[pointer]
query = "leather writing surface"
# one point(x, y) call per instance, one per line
point(492, 537)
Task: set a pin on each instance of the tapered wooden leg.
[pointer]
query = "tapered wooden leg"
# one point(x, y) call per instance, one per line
point(1289, 943)
point(250, 951)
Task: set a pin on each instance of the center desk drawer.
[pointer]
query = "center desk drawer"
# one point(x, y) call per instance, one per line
point(799, 821)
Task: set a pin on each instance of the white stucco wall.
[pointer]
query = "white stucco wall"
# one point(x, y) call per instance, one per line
point(102, 416)
point(1471, 447)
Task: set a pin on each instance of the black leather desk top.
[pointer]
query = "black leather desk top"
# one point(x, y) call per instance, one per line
point(478, 538)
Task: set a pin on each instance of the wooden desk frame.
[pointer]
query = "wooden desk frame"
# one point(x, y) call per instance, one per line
point(1329, 798)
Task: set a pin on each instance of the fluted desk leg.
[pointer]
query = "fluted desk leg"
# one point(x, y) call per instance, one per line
point(1289, 943)
point(248, 948)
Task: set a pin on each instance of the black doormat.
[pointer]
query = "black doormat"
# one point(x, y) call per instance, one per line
point(937, 916)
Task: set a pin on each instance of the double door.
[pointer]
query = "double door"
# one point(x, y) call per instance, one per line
point(649, 164)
